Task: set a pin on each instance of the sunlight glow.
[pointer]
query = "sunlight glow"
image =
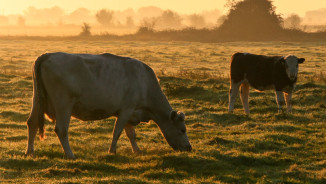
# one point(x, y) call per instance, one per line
point(182, 6)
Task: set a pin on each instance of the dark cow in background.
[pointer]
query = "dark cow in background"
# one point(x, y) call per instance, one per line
point(93, 87)
point(263, 73)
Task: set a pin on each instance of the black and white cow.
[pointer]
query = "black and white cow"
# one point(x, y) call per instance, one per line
point(263, 73)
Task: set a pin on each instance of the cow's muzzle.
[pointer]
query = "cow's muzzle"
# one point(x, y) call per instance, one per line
point(186, 148)
point(292, 77)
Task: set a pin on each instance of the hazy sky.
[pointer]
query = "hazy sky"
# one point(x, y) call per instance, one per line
point(284, 7)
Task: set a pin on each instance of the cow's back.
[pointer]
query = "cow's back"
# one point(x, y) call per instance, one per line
point(100, 85)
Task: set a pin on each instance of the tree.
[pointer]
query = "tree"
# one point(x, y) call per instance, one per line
point(251, 19)
point(197, 21)
point(147, 26)
point(79, 16)
point(220, 20)
point(105, 17)
point(169, 20)
point(293, 22)
point(86, 30)
point(130, 22)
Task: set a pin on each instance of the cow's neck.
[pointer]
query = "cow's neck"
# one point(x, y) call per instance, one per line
point(161, 110)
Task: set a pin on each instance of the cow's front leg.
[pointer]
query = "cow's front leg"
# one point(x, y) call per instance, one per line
point(279, 100)
point(234, 90)
point(63, 108)
point(120, 123)
point(288, 101)
point(61, 129)
point(131, 134)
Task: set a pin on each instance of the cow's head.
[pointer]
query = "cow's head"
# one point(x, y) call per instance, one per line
point(175, 132)
point(291, 64)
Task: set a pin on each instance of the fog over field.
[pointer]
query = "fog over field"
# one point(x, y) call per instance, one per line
point(57, 20)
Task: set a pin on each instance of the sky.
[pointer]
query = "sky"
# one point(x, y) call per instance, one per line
point(284, 7)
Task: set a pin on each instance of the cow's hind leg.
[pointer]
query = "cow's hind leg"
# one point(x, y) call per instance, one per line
point(32, 126)
point(119, 125)
point(234, 90)
point(244, 94)
point(63, 113)
point(279, 100)
point(131, 134)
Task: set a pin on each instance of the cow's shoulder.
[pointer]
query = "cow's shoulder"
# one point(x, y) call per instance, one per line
point(113, 57)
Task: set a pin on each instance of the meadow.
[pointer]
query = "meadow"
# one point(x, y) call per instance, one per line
point(264, 147)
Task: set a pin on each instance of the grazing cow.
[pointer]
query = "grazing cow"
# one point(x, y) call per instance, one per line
point(94, 87)
point(263, 73)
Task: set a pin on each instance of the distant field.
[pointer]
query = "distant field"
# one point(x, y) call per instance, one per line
point(265, 147)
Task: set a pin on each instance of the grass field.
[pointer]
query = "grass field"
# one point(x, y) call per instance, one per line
point(265, 147)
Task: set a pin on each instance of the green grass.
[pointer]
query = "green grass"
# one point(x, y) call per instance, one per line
point(265, 147)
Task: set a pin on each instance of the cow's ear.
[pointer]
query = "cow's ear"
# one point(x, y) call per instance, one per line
point(173, 114)
point(181, 116)
point(301, 60)
point(282, 60)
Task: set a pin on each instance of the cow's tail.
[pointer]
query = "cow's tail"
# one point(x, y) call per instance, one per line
point(40, 93)
point(234, 58)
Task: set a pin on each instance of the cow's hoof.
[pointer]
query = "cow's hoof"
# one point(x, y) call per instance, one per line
point(29, 154)
point(70, 157)
point(112, 152)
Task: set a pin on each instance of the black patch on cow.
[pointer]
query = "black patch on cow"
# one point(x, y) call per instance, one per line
point(259, 71)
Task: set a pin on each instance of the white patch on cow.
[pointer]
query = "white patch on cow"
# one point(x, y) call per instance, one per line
point(291, 66)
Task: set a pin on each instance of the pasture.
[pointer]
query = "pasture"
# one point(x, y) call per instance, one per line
point(264, 147)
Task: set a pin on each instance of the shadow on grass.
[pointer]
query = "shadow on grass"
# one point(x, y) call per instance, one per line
point(297, 119)
point(93, 166)
point(220, 141)
point(14, 116)
point(280, 128)
point(122, 181)
point(223, 167)
point(228, 119)
point(24, 164)
point(271, 142)
point(16, 138)
point(231, 168)
point(165, 174)
point(12, 126)
point(197, 90)
point(110, 158)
